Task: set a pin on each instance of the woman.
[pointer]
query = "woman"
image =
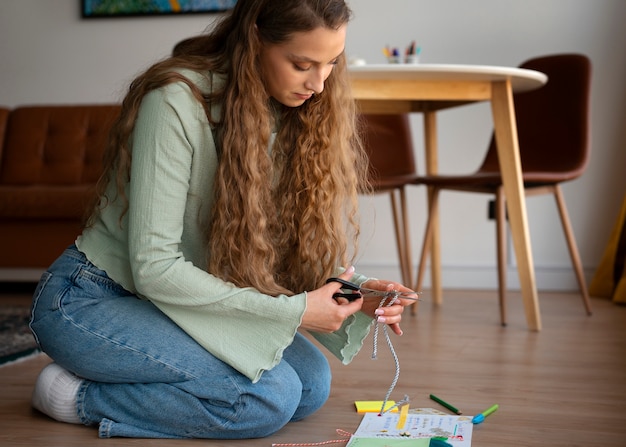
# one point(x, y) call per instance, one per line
point(230, 189)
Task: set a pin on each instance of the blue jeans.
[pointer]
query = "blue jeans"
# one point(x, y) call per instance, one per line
point(145, 377)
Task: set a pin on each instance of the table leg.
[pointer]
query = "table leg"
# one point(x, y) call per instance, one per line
point(430, 143)
point(510, 166)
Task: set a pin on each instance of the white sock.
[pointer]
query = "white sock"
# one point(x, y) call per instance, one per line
point(55, 394)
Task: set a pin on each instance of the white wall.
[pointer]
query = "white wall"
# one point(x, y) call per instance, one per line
point(48, 54)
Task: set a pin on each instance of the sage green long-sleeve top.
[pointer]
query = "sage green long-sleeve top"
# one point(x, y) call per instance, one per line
point(157, 251)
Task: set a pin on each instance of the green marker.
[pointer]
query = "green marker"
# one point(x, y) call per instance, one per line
point(445, 404)
point(481, 417)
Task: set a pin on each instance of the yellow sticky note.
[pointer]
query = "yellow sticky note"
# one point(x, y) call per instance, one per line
point(373, 406)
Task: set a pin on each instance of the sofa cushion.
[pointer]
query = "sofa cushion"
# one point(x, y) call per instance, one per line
point(55, 145)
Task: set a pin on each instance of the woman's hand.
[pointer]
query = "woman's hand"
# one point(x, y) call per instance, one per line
point(324, 313)
point(390, 315)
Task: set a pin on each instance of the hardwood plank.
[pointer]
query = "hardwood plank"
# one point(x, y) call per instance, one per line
point(564, 386)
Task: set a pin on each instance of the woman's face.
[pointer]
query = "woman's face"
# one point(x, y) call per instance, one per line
point(293, 71)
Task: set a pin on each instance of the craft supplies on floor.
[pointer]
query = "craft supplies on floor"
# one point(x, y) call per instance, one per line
point(417, 429)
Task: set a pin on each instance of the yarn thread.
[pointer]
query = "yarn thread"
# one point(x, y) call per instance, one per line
point(394, 297)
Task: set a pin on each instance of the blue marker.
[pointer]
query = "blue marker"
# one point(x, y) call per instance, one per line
point(481, 416)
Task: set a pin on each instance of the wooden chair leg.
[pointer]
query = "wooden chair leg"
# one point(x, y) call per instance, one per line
point(573, 249)
point(421, 268)
point(408, 259)
point(501, 252)
point(401, 228)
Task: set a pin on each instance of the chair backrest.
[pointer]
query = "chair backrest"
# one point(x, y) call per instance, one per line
point(552, 121)
point(387, 140)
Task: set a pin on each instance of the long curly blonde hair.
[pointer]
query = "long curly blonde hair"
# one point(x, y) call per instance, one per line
point(283, 219)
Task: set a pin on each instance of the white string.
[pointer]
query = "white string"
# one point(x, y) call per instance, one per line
point(394, 297)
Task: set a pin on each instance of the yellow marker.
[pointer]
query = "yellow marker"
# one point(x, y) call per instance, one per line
point(404, 411)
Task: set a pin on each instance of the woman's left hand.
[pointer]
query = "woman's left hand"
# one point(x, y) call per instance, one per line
point(390, 315)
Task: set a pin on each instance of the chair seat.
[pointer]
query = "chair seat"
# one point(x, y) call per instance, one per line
point(385, 183)
point(494, 179)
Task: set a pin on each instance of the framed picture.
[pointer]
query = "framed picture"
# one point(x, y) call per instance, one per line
point(130, 8)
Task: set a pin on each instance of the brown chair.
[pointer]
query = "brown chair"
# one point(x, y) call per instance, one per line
point(388, 142)
point(553, 132)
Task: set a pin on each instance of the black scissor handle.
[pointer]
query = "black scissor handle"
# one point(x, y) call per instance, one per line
point(348, 286)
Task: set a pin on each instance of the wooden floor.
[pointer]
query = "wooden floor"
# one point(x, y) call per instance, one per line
point(564, 386)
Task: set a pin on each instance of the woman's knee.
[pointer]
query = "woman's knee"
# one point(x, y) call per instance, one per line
point(265, 419)
point(315, 375)
point(314, 394)
point(265, 407)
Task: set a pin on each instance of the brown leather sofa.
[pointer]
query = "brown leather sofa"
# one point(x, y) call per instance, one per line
point(50, 160)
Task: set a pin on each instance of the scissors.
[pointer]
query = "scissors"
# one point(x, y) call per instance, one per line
point(364, 292)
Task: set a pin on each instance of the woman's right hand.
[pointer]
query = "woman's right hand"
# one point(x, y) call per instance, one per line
point(325, 314)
